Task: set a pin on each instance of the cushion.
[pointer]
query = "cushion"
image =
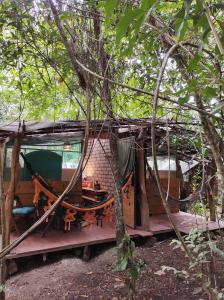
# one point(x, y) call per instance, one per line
point(26, 210)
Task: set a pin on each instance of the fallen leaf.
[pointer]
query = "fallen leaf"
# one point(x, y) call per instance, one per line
point(117, 279)
point(159, 273)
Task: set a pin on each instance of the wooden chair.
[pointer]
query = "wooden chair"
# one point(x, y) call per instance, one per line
point(21, 213)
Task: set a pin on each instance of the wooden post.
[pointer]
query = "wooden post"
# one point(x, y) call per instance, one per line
point(211, 202)
point(2, 207)
point(12, 187)
point(7, 204)
point(141, 173)
point(210, 191)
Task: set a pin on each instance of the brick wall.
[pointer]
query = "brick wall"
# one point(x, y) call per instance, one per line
point(98, 166)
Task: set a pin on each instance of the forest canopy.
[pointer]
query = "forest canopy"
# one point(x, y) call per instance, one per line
point(112, 60)
point(36, 70)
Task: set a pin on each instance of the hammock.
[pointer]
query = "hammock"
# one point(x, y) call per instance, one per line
point(172, 200)
point(89, 214)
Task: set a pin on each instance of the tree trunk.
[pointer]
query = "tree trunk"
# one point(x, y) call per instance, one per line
point(118, 209)
point(85, 84)
point(216, 145)
point(3, 270)
point(106, 97)
point(211, 170)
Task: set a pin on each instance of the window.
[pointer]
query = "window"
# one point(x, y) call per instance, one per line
point(164, 163)
point(70, 155)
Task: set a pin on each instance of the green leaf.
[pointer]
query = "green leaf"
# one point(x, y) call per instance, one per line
point(122, 26)
point(199, 6)
point(65, 16)
point(109, 7)
point(122, 266)
point(203, 22)
point(133, 273)
point(147, 4)
point(193, 62)
point(181, 30)
point(209, 92)
point(183, 24)
point(205, 35)
point(139, 20)
point(192, 85)
point(183, 100)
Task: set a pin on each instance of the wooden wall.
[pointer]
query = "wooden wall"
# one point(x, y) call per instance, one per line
point(66, 174)
point(155, 201)
point(128, 201)
point(25, 190)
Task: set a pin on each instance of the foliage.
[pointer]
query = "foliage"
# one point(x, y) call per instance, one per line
point(128, 264)
point(203, 251)
point(184, 21)
point(37, 68)
point(197, 208)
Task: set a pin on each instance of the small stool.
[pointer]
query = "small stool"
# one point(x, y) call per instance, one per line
point(22, 213)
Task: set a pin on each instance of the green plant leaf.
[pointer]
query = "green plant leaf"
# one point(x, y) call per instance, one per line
point(133, 273)
point(183, 22)
point(147, 4)
point(192, 85)
point(193, 62)
point(123, 265)
point(181, 30)
point(199, 6)
point(122, 26)
point(109, 7)
point(209, 92)
point(183, 100)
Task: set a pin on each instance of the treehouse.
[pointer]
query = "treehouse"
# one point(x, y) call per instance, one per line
point(42, 158)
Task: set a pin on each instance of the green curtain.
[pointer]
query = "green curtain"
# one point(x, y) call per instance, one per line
point(126, 157)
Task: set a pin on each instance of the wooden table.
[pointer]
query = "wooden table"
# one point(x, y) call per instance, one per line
point(93, 195)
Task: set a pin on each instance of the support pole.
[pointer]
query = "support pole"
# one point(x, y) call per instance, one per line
point(3, 269)
point(141, 171)
point(210, 193)
point(12, 187)
point(211, 202)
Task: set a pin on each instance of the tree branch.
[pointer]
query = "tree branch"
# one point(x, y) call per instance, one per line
point(192, 107)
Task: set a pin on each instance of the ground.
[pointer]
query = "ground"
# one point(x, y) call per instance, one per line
point(64, 276)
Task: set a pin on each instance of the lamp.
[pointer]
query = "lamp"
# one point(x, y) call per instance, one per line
point(67, 147)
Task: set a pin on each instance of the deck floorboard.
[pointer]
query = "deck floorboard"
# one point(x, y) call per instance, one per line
point(184, 221)
point(92, 235)
point(58, 240)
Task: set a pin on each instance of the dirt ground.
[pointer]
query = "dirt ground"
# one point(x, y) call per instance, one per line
point(63, 276)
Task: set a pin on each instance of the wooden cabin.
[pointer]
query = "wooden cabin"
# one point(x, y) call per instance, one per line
point(56, 157)
point(54, 149)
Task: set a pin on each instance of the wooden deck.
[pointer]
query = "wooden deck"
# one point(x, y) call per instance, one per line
point(184, 221)
point(58, 240)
